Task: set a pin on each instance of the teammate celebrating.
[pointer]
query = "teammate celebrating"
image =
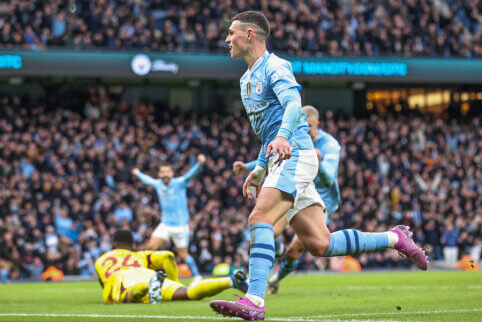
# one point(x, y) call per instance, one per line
point(130, 277)
point(174, 223)
point(272, 101)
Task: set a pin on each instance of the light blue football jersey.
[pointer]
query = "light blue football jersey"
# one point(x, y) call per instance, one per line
point(326, 181)
point(172, 197)
point(260, 88)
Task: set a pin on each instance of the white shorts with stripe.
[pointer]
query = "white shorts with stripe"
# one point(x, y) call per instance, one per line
point(295, 176)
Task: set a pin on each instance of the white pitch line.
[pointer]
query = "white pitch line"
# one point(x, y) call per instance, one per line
point(165, 317)
point(192, 317)
point(402, 287)
point(393, 313)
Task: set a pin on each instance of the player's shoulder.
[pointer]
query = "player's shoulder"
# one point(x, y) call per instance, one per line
point(275, 62)
point(110, 253)
point(329, 140)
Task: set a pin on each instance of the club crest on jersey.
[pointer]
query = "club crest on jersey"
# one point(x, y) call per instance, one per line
point(248, 88)
point(259, 88)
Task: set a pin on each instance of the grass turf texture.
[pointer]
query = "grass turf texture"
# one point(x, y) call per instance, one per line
point(416, 296)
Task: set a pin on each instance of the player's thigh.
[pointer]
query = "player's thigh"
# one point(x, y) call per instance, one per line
point(155, 243)
point(271, 205)
point(182, 252)
point(159, 237)
point(280, 226)
point(295, 248)
point(310, 227)
point(179, 236)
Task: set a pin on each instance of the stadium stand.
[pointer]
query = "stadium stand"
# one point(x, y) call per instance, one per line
point(66, 174)
point(445, 28)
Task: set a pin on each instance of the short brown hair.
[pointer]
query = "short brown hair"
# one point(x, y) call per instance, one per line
point(257, 19)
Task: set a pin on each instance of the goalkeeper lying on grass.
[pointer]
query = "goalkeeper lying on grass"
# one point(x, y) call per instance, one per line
point(131, 277)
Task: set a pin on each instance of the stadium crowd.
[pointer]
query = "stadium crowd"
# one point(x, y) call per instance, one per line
point(66, 183)
point(321, 27)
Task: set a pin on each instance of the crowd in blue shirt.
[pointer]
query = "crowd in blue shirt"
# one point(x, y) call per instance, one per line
point(68, 184)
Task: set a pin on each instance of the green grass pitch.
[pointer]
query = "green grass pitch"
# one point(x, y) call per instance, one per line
point(394, 296)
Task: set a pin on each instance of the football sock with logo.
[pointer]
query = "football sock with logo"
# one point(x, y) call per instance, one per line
point(192, 265)
point(352, 242)
point(261, 258)
point(286, 267)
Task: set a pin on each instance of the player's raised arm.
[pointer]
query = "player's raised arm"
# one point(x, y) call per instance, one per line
point(144, 177)
point(328, 167)
point(201, 159)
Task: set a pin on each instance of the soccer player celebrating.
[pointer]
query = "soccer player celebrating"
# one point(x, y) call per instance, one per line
point(130, 277)
point(174, 223)
point(328, 151)
point(270, 95)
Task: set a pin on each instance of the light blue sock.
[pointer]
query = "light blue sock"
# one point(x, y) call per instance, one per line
point(353, 242)
point(261, 257)
point(286, 267)
point(191, 263)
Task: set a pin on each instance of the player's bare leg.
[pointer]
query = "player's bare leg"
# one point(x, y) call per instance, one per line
point(280, 226)
point(310, 227)
point(271, 206)
point(156, 243)
point(309, 224)
point(183, 255)
point(288, 264)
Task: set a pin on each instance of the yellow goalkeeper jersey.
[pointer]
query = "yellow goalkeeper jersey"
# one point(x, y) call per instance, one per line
point(121, 259)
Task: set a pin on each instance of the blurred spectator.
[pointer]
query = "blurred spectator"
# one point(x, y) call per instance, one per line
point(449, 240)
point(328, 27)
point(421, 170)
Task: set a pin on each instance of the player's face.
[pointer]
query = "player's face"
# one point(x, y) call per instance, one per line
point(313, 124)
point(166, 173)
point(237, 40)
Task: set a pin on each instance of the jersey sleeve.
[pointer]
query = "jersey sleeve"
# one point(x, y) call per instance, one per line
point(284, 85)
point(250, 165)
point(280, 76)
point(262, 161)
point(147, 179)
point(328, 168)
point(191, 173)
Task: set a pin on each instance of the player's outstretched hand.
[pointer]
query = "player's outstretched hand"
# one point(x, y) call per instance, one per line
point(279, 145)
point(318, 154)
point(135, 171)
point(201, 158)
point(239, 167)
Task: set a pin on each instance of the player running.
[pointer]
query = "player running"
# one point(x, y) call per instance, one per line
point(270, 95)
point(328, 151)
point(130, 277)
point(174, 223)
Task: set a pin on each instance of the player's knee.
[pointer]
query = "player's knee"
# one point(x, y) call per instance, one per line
point(257, 216)
point(292, 254)
point(318, 246)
